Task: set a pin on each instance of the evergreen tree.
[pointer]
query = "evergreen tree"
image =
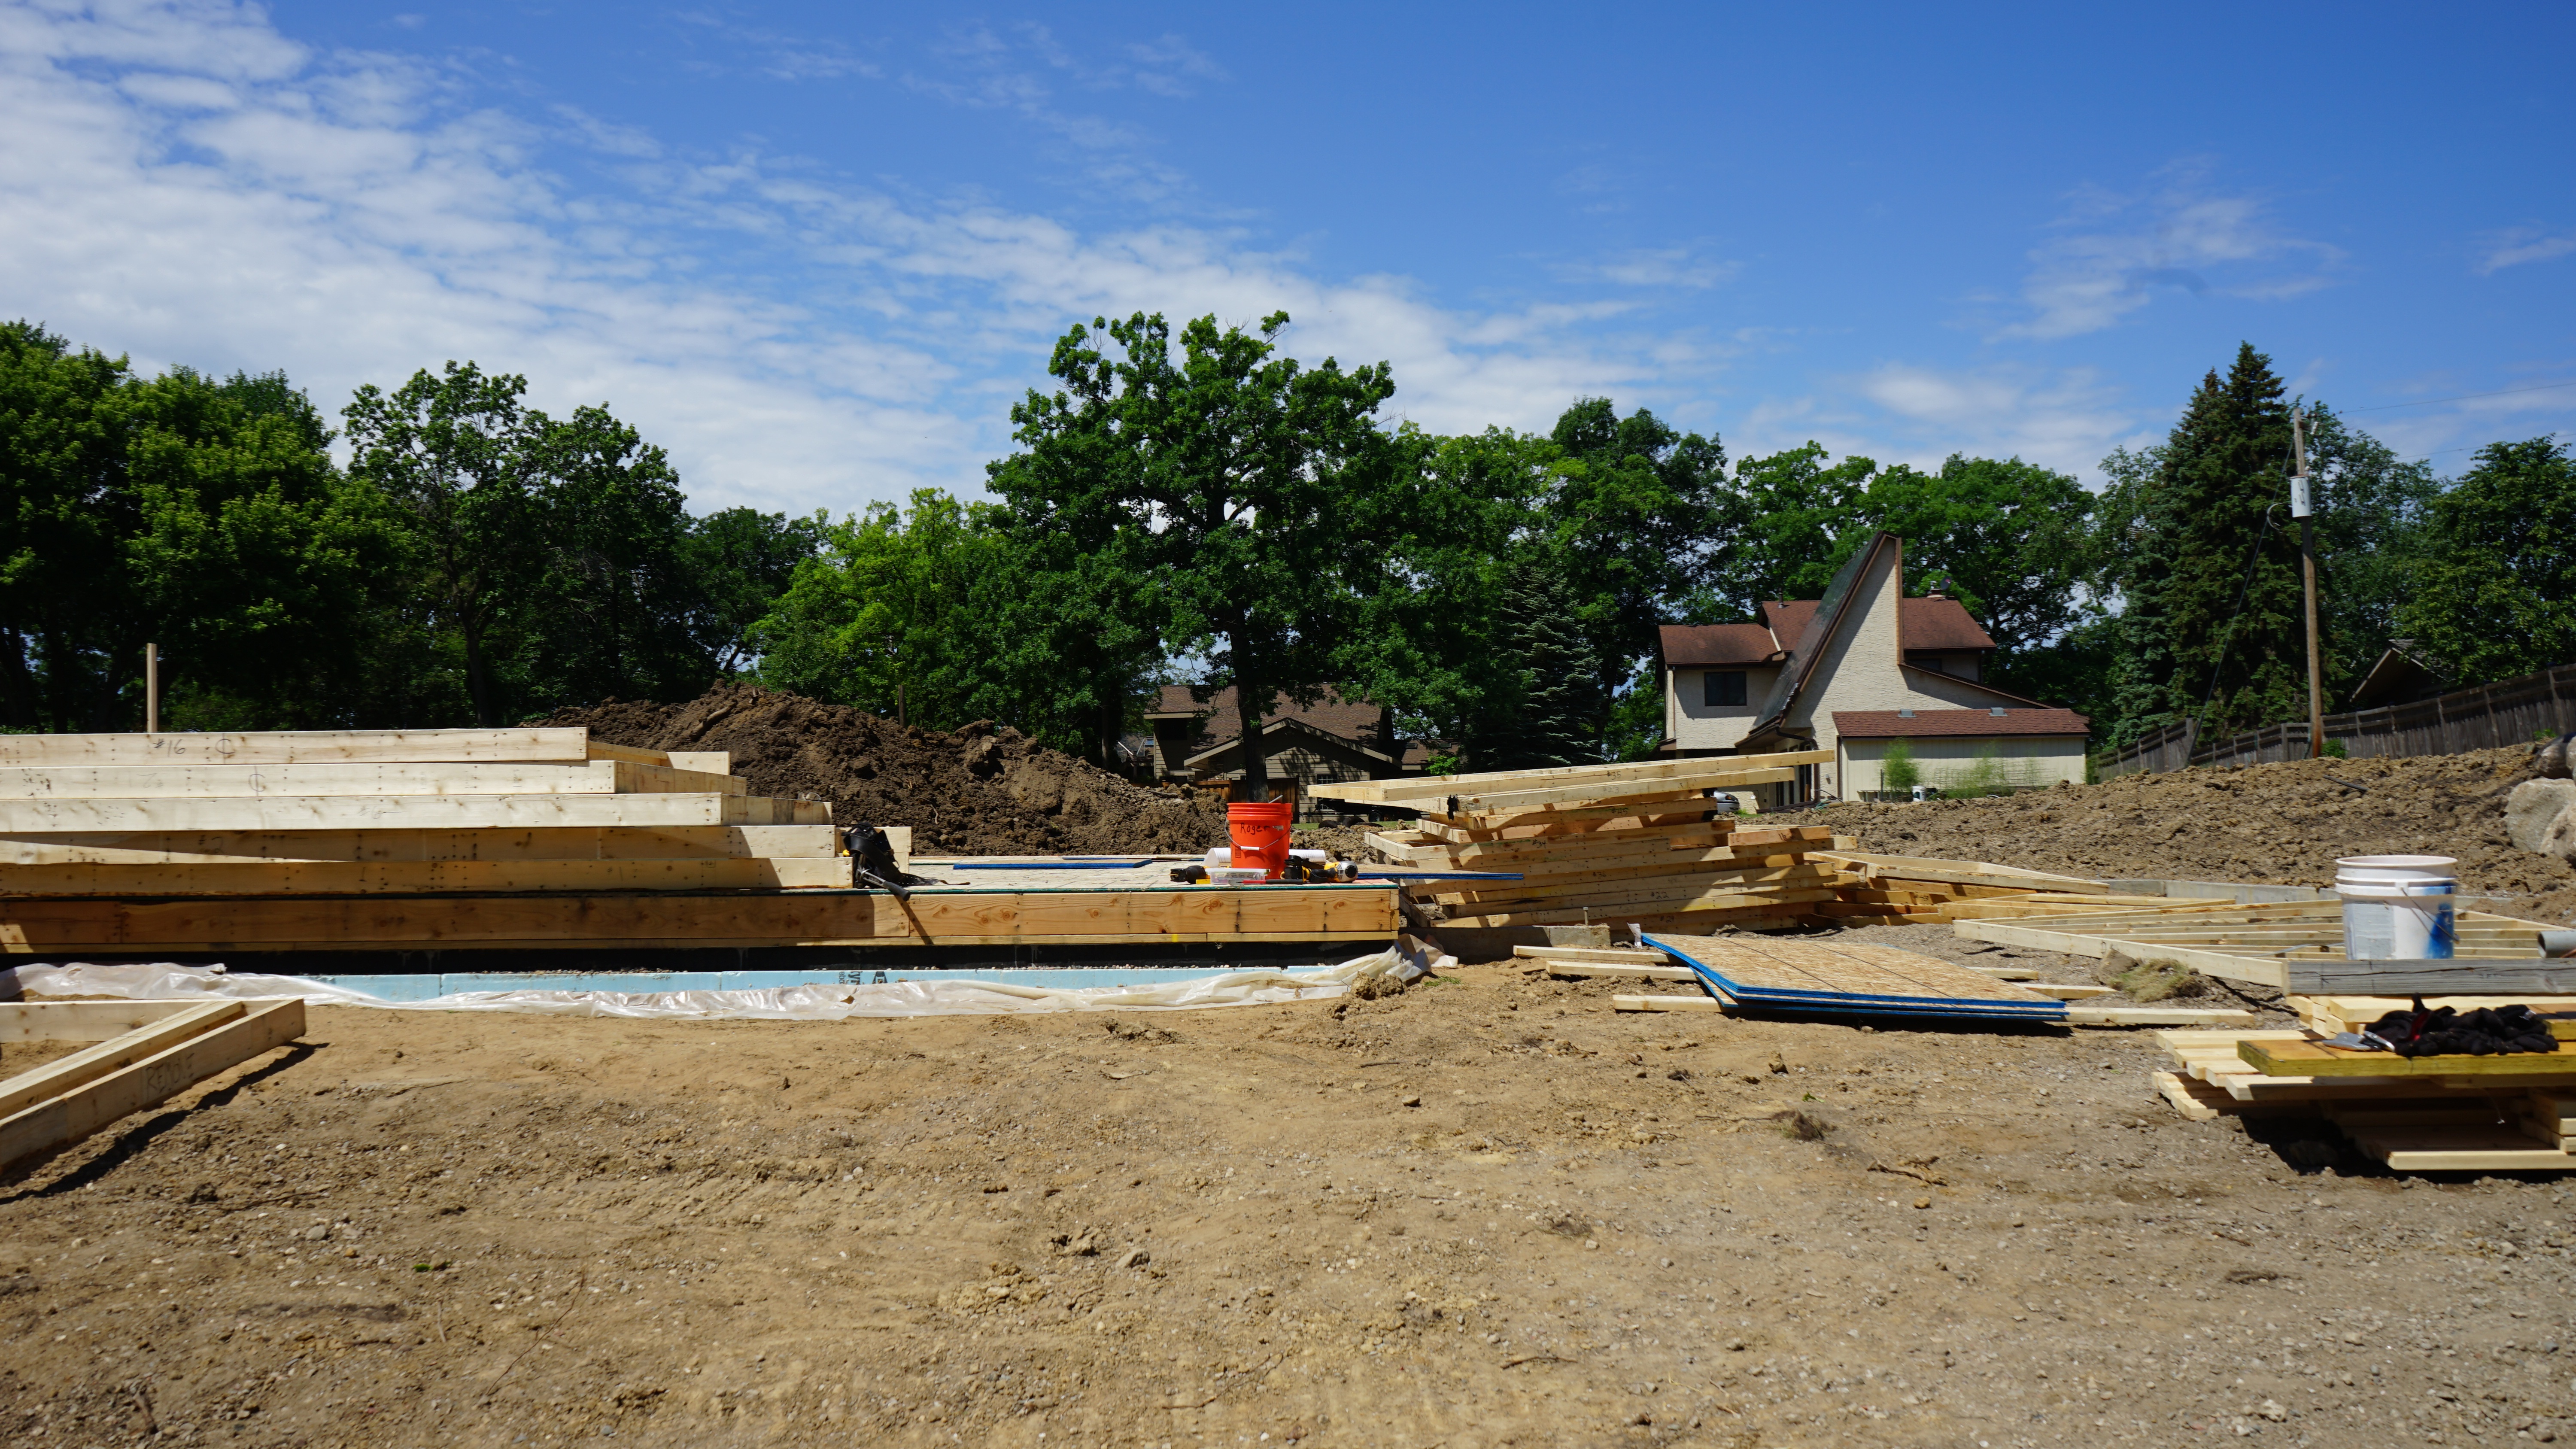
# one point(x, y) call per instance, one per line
point(2181, 525)
point(1550, 713)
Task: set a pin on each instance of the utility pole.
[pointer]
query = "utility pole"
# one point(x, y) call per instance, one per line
point(2301, 506)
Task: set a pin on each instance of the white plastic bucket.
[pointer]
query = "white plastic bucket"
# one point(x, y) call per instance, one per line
point(2397, 907)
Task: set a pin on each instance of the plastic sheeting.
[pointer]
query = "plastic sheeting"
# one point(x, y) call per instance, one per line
point(783, 1003)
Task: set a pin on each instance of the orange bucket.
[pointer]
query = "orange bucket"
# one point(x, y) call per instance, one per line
point(1260, 831)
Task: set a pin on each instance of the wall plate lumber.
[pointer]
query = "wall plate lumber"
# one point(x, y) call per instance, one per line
point(427, 812)
point(1640, 973)
point(61, 1075)
point(73, 1115)
point(305, 747)
point(602, 777)
point(2085, 1013)
point(224, 847)
point(1607, 955)
point(81, 1020)
point(713, 762)
point(64, 926)
point(297, 877)
point(1666, 1003)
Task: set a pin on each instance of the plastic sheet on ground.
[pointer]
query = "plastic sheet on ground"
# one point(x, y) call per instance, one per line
point(1260, 987)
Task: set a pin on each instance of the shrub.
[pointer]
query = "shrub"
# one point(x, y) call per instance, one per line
point(1898, 771)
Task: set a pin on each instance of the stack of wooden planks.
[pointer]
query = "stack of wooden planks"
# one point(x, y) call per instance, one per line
point(146, 1052)
point(2253, 944)
point(1585, 844)
point(2448, 1113)
point(1924, 889)
point(374, 811)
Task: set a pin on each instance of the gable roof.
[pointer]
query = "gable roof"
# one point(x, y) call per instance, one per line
point(1807, 644)
point(1928, 624)
point(1888, 724)
point(1699, 646)
point(1220, 722)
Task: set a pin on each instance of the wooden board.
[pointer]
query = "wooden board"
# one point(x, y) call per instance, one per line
point(536, 920)
point(63, 1074)
point(1595, 777)
point(1638, 973)
point(2451, 977)
point(1608, 955)
point(223, 847)
point(601, 777)
point(303, 877)
point(1666, 1003)
point(2088, 1013)
point(313, 747)
point(418, 812)
point(1568, 820)
point(1803, 975)
point(2314, 1059)
point(1964, 872)
point(2459, 1149)
point(70, 1116)
point(80, 1020)
point(1641, 903)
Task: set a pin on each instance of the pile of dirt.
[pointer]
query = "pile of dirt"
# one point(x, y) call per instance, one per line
point(984, 790)
point(2279, 824)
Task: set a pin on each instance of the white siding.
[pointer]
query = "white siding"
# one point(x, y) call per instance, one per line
point(1693, 725)
point(2021, 759)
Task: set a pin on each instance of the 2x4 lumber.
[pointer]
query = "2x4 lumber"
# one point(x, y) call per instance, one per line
point(308, 747)
point(1496, 801)
point(70, 1116)
point(1425, 787)
point(88, 1065)
point(2454, 977)
point(602, 777)
point(1644, 973)
point(2087, 1014)
point(419, 812)
point(1968, 872)
point(1632, 909)
point(2310, 1059)
point(1575, 823)
point(307, 877)
point(1666, 1003)
point(538, 920)
point(81, 1020)
point(225, 847)
point(1611, 955)
point(1620, 885)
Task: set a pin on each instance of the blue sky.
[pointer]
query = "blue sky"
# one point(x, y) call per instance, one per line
point(817, 250)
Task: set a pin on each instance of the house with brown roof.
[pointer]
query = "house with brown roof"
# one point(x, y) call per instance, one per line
point(1853, 672)
point(1329, 742)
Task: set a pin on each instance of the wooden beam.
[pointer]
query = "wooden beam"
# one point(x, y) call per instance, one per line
point(232, 847)
point(1666, 1003)
point(306, 747)
point(63, 1074)
point(81, 1020)
point(304, 877)
point(1578, 776)
point(2087, 1014)
point(1610, 955)
point(70, 925)
point(603, 777)
point(422, 812)
point(70, 1116)
point(2452, 977)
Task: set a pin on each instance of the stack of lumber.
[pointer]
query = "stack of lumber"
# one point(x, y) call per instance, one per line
point(1588, 844)
point(2447, 1113)
point(1922, 888)
point(366, 811)
point(2255, 944)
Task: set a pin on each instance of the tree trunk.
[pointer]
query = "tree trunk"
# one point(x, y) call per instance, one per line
point(1256, 774)
point(477, 686)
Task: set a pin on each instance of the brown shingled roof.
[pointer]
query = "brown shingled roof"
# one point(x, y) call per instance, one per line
point(1887, 724)
point(1332, 714)
point(1697, 646)
point(1927, 624)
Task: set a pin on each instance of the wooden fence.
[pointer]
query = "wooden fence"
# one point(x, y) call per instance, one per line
point(2485, 716)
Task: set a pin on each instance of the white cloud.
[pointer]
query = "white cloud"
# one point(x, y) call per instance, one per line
point(1907, 413)
point(2517, 245)
point(189, 185)
point(2116, 252)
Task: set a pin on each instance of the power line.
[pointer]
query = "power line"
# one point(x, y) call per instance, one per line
point(2463, 397)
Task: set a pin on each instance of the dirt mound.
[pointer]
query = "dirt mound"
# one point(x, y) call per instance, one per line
point(980, 791)
point(2280, 824)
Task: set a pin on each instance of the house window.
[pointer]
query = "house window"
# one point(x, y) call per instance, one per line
point(1932, 662)
point(1722, 688)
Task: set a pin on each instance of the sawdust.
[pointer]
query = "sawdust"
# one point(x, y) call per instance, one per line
point(983, 790)
point(2278, 824)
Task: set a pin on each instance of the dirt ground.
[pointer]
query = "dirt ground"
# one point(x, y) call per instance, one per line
point(2280, 824)
point(980, 791)
point(1488, 1211)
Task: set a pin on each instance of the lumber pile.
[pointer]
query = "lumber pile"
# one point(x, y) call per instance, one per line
point(1584, 844)
point(2254, 944)
point(369, 811)
point(2506, 1113)
point(1921, 888)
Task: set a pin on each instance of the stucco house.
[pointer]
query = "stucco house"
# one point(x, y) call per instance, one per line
point(1329, 742)
point(1854, 672)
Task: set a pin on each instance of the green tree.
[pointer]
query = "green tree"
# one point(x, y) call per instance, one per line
point(1548, 710)
point(1632, 521)
point(611, 611)
point(740, 562)
point(2007, 539)
point(1226, 474)
point(2495, 588)
point(2181, 523)
point(1800, 516)
point(458, 455)
point(2372, 537)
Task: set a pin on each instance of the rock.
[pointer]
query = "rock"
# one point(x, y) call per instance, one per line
point(2273, 1411)
point(2533, 807)
point(1135, 1258)
point(2561, 839)
point(2550, 761)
